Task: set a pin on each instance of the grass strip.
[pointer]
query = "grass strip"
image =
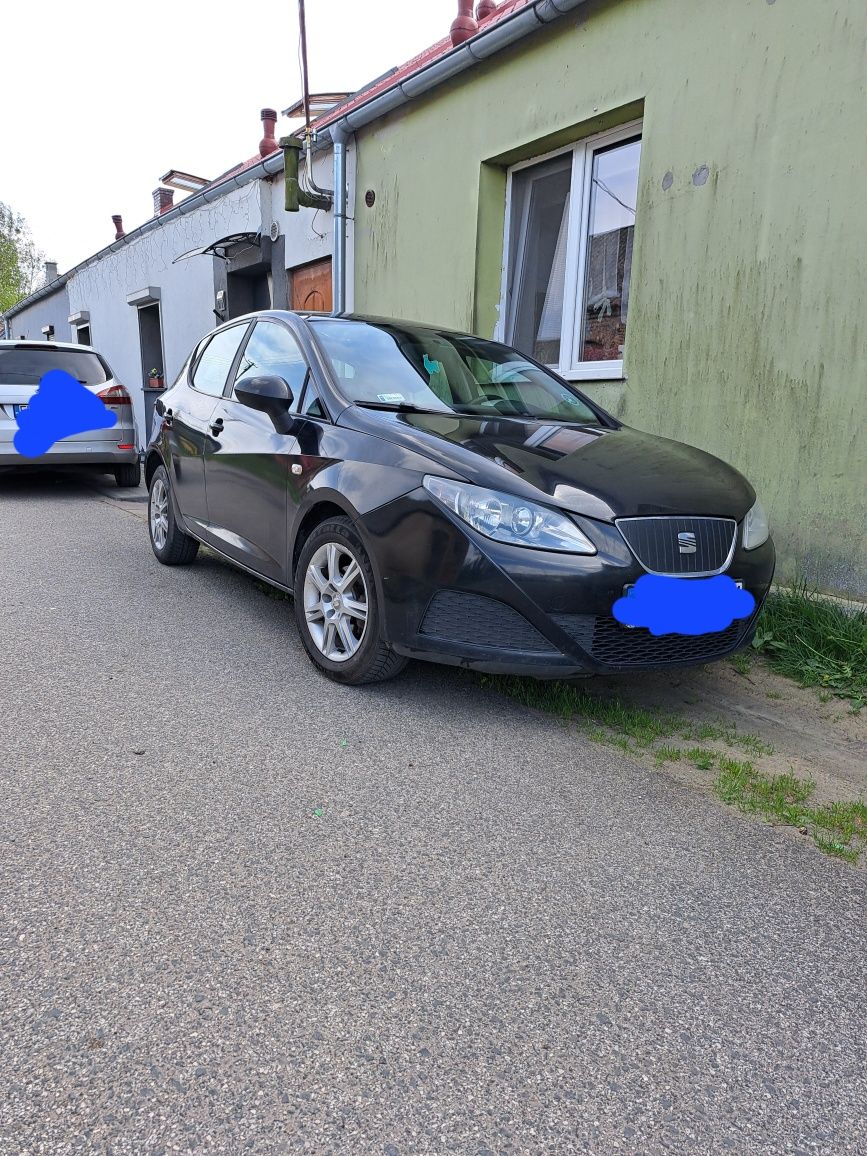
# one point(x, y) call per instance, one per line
point(838, 829)
point(815, 642)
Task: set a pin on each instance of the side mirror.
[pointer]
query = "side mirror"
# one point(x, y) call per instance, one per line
point(269, 395)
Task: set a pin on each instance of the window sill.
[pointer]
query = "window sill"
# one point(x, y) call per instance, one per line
point(600, 372)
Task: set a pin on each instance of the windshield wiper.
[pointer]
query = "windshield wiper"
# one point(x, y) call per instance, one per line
point(398, 407)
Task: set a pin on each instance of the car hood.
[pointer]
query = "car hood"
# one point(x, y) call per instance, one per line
point(601, 473)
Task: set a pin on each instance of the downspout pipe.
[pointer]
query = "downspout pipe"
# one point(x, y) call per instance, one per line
point(339, 138)
point(487, 42)
point(296, 196)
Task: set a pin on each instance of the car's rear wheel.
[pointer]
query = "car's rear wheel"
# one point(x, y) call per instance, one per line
point(337, 610)
point(128, 475)
point(170, 544)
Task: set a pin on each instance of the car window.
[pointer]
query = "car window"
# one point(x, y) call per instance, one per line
point(213, 366)
point(26, 365)
point(385, 364)
point(273, 351)
point(311, 404)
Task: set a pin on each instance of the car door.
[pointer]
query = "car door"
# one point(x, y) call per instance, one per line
point(189, 411)
point(248, 463)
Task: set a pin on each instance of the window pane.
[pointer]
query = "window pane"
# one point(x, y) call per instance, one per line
point(537, 274)
point(273, 351)
point(26, 365)
point(442, 372)
point(614, 190)
point(312, 406)
point(215, 363)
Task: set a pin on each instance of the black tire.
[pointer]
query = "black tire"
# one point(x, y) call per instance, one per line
point(128, 475)
point(374, 660)
point(177, 548)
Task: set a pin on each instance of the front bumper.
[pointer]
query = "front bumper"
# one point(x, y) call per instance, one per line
point(452, 596)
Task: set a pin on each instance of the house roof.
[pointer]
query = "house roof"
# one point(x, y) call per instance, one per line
point(429, 56)
point(546, 11)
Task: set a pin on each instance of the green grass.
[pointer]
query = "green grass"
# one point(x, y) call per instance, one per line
point(837, 828)
point(816, 642)
point(643, 726)
point(741, 662)
point(701, 759)
point(569, 702)
point(666, 754)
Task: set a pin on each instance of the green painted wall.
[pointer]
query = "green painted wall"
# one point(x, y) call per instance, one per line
point(747, 328)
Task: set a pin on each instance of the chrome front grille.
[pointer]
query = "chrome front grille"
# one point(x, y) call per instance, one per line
point(681, 547)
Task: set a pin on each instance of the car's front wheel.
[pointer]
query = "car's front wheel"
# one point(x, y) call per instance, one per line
point(336, 607)
point(170, 544)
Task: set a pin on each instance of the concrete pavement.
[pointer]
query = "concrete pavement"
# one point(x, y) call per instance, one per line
point(498, 937)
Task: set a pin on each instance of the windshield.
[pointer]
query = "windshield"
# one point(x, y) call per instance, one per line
point(410, 367)
point(26, 365)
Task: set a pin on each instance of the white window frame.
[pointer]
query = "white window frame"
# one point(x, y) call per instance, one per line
point(570, 366)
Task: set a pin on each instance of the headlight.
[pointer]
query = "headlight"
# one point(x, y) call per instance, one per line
point(509, 519)
point(756, 529)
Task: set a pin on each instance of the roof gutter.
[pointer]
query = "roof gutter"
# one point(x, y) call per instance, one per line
point(507, 32)
point(502, 35)
point(485, 44)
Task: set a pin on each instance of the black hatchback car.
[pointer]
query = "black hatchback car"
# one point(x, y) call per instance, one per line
point(435, 495)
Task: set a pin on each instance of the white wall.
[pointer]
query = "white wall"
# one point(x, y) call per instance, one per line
point(51, 310)
point(186, 289)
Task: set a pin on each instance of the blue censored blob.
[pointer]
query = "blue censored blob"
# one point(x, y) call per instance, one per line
point(683, 605)
point(60, 408)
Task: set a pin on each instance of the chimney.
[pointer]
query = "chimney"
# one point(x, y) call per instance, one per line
point(463, 26)
point(117, 220)
point(163, 200)
point(484, 9)
point(267, 144)
point(50, 272)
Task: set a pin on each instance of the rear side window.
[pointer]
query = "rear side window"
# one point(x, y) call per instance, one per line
point(213, 367)
point(27, 365)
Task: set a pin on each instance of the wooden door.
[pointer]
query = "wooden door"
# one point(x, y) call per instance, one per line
point(311, 287)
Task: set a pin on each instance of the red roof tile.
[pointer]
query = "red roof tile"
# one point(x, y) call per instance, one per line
point(435, 52)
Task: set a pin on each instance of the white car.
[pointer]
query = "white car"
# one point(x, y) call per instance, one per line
point(22, 366)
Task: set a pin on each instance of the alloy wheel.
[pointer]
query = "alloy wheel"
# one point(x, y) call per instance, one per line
point(159, 513)
point(335, 602)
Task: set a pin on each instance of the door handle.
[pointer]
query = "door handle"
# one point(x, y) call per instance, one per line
point(217, 427)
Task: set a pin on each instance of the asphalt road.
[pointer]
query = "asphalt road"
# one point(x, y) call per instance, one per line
point(497, 937)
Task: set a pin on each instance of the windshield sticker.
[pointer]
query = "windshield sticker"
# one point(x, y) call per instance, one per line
point(391, 398)
point(432, 366)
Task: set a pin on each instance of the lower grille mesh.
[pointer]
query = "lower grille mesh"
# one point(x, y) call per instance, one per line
point(474, 620)
point(615, 645)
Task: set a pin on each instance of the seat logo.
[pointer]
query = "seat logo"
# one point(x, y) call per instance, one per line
point(686, 542)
